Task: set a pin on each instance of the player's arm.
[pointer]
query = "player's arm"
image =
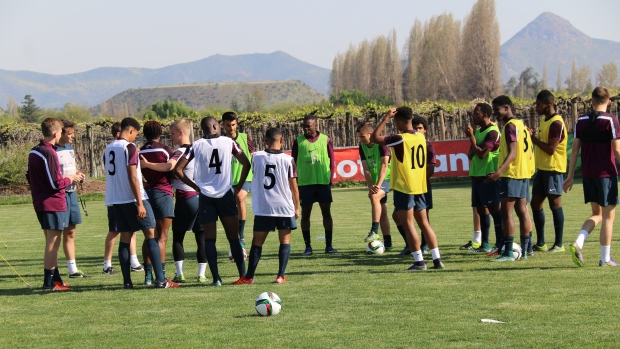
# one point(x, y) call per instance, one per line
point(180, 166)
point(134, 184)
point(549, 147)
point(245, 170)
point(476, 150)
point(159, 167)
point(292, 183)
point(512, 155)
point(430, 161)
point(377, 134)
point(568, 182)
point(332, 160)
point(615, 145)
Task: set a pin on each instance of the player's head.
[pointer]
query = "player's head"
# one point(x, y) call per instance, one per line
point(482, 111)
point(129, 129)
point(544, 103)
point(502, 107)
point(364, 130)
point(600, 96)
point(116, 129)
point(179, 131)
point(403, 118)
point(51, 129)
point(230, 122)
point(152, 130)
point(419, 124)
point(309, 125)
point(68, 131)
point(273, 138)
point(210, 126)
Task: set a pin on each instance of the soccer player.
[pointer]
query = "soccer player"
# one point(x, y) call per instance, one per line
point(212, 179)
point(230, 124)
point(275, 201)
point(132, 211)
point(113, 233)
point(314, 155)
point(66, 157)
point(420, 124)
point(516, 167)
point(408, 178)
point(158, 188)
point(47, 187)
point(485, 199)
point(376, 164)
point(596, 136)
point(550, 154)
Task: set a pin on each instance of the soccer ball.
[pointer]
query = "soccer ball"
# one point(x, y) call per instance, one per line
point(516, 250)
point(245, 255)
point(268, 304)
point(375, 247)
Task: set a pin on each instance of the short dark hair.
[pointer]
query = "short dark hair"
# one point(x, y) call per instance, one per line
point(206, 122)
point(152, 130)
point(417, 120)
point(229, 116)
point(503, 100)
point(546, 97)
point(273, 134)
point(49, 126)
point(116, 128)
point(364, 126)
point(485, 108)
point(67, 124)
point(404, 113)
point(310, 117)
point(130, 122)
point(600, 95)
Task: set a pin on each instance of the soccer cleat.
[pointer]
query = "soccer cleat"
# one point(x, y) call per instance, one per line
point(179, 278)
point(503, 259)
point(307, 252)
point(109, 271)
point(405, 252)
point(611, 263)
point(555, 249)
point(470, 245)
point(56, 286)
point(425, 249)
point(482, 249)
point(438, 264)
point(389, 248)
point(166, 284)
point(280, 280)
point(216, 283)
point(138, 268)
point(417, 266)
point(128, 286)
point(78, 274)
point(202, 279)
point(372, 236)
point(64, 284)
point(493, 252)
point(331, 250)
point(576, 254)
point(243, 280)
point(542, 248)
point(148, 279)
point(528, 254)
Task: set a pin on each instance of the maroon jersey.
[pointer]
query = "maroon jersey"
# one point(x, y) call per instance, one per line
point(596, 131)
point(47, 186)
point(157, 153)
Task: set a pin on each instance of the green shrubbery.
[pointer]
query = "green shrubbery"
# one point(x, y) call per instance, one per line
point(14, 163)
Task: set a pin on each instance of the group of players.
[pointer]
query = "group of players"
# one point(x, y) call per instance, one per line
point(213, 175)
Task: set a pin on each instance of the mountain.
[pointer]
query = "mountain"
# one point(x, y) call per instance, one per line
point(95, 86)
point(553, 40)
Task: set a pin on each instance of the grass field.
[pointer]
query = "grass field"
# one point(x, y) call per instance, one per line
point(351, 300)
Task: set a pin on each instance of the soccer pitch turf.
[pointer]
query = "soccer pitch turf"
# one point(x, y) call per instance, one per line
point(350, 300)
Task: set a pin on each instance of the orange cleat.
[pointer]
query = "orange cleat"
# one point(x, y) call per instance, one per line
point(280, 280)
point(243, 280)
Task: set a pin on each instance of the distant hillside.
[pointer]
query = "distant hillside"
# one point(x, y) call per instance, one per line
point(219, 94)
point(95, 86)
point(552, 39)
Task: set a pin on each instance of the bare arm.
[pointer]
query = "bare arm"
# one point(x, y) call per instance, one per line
point(134, 184)
point(377, 134)
point(512, 155)
point(159, 167)
point(475, 149)
point(568, 182)
point(292, 182)
point(243, 160)
point(548, 148)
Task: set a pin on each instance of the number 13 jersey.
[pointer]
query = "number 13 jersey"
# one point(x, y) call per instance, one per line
point(271, 193)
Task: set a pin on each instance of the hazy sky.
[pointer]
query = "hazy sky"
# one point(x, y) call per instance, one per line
point(70, 36)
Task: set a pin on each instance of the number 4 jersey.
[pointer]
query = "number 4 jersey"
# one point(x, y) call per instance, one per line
point(271, 193)
point(117, 156)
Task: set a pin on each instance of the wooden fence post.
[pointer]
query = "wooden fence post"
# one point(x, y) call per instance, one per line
point(91, 152)
point(442, 125)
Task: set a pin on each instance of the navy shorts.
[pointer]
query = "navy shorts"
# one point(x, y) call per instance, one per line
point(309, 194)
point(428, 198)
point(112, 226)
point(161, 202)
point(127, 220)
point(73, 215)
point(385, 186)
point(603, 191)
point(186, 215)
point(51, 220)
point(404, 201)
point(209, 209)
point(484, 194)
point(547, 183)
point(267, 223)
point(514, 188)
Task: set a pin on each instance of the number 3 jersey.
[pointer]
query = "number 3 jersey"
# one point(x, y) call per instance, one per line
point(271, 193)
point(117, 156)
point(212, 157)
point(523, 166)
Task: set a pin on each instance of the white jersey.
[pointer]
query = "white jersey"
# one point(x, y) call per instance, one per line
point(66, 157)
point(271, 193)
point(116, 157)
point(212, 172)
point(188, 171)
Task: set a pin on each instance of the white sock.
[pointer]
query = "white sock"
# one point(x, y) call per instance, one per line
point(605, 252)
point(477, 236)
point(417, 256)
point(435, 253)
point(71, 266)
point(202, 268)
point(581, 239)
point(107, 264)
point(134, 260)
point(179, 266)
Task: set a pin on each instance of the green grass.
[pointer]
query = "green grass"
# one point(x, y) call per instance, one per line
point(352, 300)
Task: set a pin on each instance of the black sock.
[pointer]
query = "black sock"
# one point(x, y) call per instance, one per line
point(201, 254)
point(558, 225)
point(124, 261)
point(328, 238)
point(255, 253)
point(374, 227)
point(525, 243)
point(242, 229)
point(539, 223)
point(485, 227)
point(155, 257)
point(48, 278)
point(306, 235)
point(508, 241)
point(211, 252)
point(57, 276)
point(499, 231)
point(283, 255)
point(401, 230)
point(237, 253)
point(387, 240)
point(178, 252)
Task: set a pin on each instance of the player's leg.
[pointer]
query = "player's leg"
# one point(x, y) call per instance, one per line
point(123, 258)
point(507, 207)
point(375, 213)
point(430, 237)
point(404, 205)
point(540, 190)
point(401, 230)
point(229, 216)
point(428, 201)
point(323, 196)
point(607, 225)
point(179, 228)
point(133, 257)
point(284, 252)
point(50, 260)
point(484, 219)
point(110, 239)
point(161, 234)
point(384, 222)
point(306, 200)
point(208, 217)
point(240, 201)
point(525, 224)
point(555, 204)
point(201, 254)
point(73, 218)
point(476, 201)
point(262, 226)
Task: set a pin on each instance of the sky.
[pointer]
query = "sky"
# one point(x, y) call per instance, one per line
point(71, 36)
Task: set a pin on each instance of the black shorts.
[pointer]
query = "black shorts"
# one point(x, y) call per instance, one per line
point(484, 194)
point(404, 201)
point(385, 186)
point(603, 191)
point(73, 215)
point(127, 220)
point(112, 226)
point(51, 220)
point(428, 198)
point(209, 209)
point(162, 203)
point(309, 194)
point(186, 215)
point(267, 223)
point(514, 188)
point(547, 183)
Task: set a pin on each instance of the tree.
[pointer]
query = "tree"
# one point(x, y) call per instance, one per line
point(29, 111)
point(362, 67)
point(76, 113)
point(378, 63)
point(413, 49)
point(168, 109)
point(394, 70)
point(580, 79)
point(558, 83)
point(608, 75)
point(234, 105)
point(528, 84)
point(254, 101)
point(543, 83)
point(12, 108)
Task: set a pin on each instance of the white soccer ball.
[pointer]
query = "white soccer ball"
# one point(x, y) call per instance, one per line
point(516, 250)
point(268, 304)
point(375, 247)
point(245, 255)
